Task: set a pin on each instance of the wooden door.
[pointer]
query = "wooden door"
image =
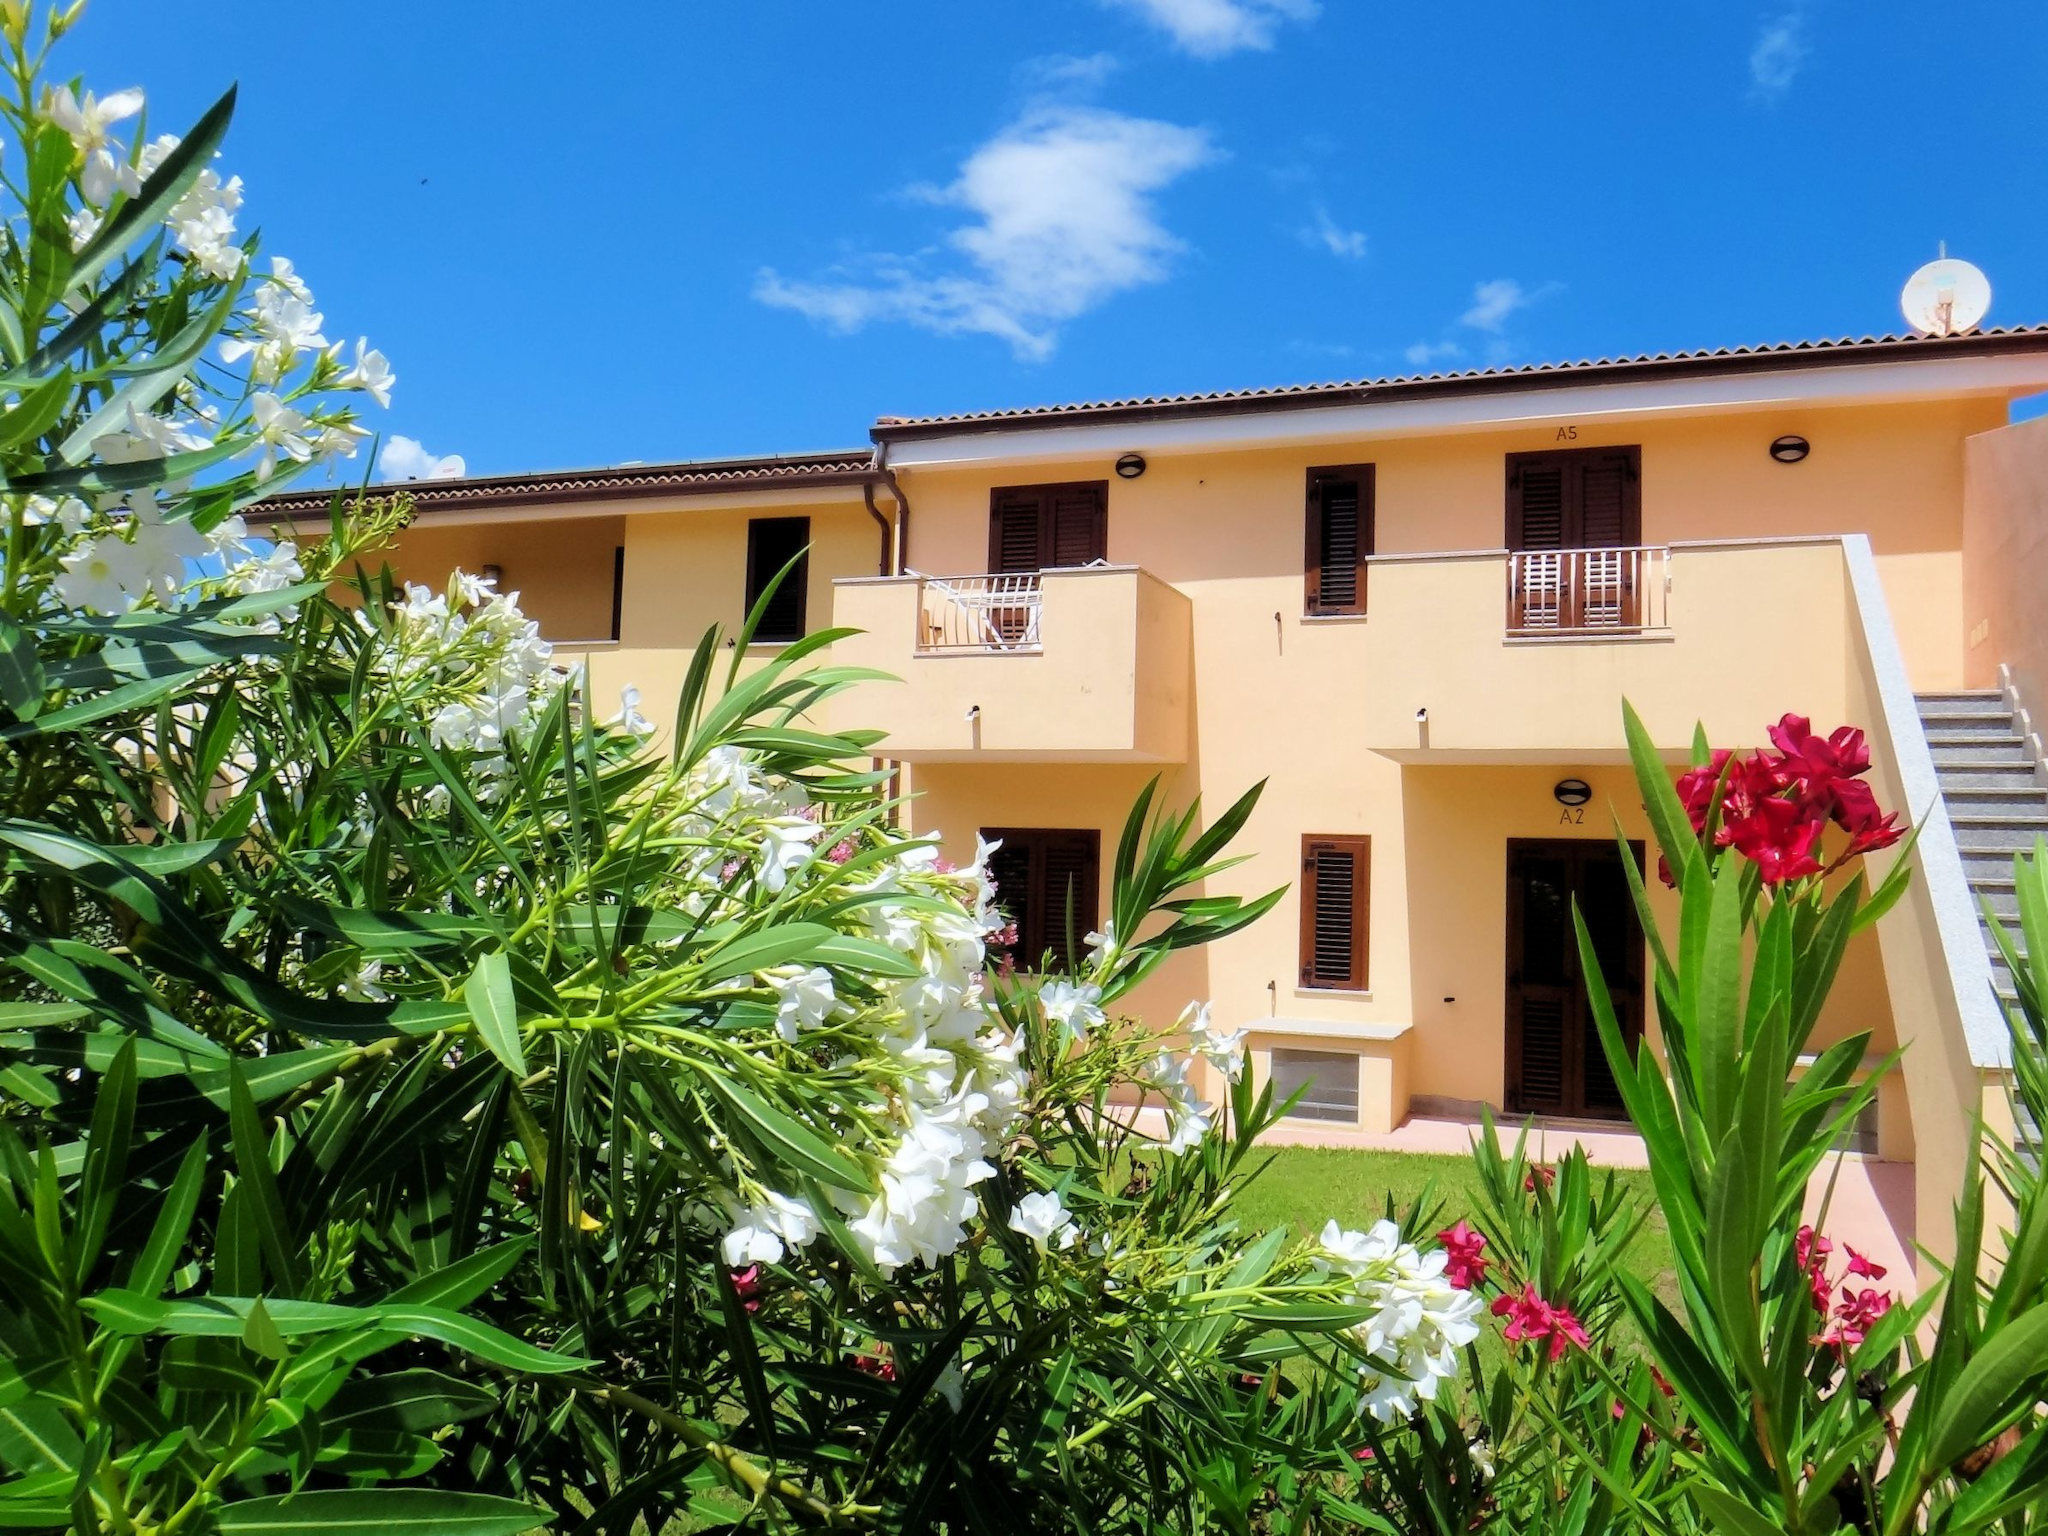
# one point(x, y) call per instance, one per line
point(1555, 1063)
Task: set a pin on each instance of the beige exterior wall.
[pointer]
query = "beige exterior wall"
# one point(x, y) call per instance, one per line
point(562, 571)
point(1195, 663)
point(2005, 559)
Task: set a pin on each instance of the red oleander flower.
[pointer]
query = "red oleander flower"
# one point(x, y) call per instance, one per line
point(1464, 1267)
point(1855, 1315)
point(1776, 803)
point(1529, 1316)
point(1810, 1249)
point(1778, 836)
point(1863, 1267)
point(747, 1283)
point(881, 1367)
point(1541, 1171)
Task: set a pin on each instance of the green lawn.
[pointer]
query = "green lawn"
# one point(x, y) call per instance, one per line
point(1306, 1186)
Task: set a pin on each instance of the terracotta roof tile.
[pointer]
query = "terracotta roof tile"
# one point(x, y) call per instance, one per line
point(1829, 350)
point(623, 482)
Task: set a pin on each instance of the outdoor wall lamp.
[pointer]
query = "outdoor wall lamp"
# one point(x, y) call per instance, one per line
point(1790, 448)
point(1572, 791)
point(1130, 466)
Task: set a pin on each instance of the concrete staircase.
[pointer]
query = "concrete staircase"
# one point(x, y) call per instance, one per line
point(1998, 805)
point(1996, 801)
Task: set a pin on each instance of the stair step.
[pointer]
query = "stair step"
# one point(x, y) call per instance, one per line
point(2009, 834)
point(1982, 864)
point(1981, 802)
point(1971, 727)
point(1978, 753)
point(2011, 778)
point(1933, 705)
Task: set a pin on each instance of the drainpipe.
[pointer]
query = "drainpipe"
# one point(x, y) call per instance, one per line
point(896, 541)
point(867, 494)
point(895, 559)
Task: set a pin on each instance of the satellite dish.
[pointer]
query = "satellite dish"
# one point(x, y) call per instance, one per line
point(1946, 298)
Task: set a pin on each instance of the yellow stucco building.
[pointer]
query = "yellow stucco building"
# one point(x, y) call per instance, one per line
point(1413, 608)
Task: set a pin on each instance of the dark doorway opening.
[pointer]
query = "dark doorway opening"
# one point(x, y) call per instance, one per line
point(1555, 1064)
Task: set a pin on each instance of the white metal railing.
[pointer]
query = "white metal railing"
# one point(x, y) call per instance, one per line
point(1587, 591)
point(968, 614)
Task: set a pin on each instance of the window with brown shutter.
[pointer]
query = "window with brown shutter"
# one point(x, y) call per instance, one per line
point(1046, 527)
point(1575, 498)
point(772, 542)
point(1338, 540)
point(1336, 904)
point(1046, 881)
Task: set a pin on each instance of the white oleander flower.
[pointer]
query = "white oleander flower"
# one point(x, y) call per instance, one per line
point(362, 987)
point(1188, 1119)
point(1411, 1340)
point(763, 1232)
point(785, 847)
point(99, 574)
point(629, 719)
point(1223, 1049)
point(89, 119)
point(1075, 1007)
point(280, 433)
point(804, 999)
point(371, 374)
point(1103, 948)
point(1042, 1217)
point(144, 436)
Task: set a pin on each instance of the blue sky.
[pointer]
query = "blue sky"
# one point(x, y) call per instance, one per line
point(648, 231)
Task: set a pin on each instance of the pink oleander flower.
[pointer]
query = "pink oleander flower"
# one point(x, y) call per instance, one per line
point(747, 1283)
point(1529, 1316)
point(841, 851)
point(1541, 1171)
point(1464, 1268)
point(1855, 1315)
point(1862, 1267)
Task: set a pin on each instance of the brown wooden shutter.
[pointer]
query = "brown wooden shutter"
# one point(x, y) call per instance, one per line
point(1536, 504)
point(1070, 895)
point(1610, 506)
point(1014, 517)
point(1577, 498)
point(1339, 538)
point(1047, 879)
point(1041, 527)
point(1336, 887)
point(1080, 525)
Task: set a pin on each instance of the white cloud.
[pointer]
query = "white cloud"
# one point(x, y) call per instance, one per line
point(406, 458)
point(1423, 353)
point(1779, 51)
point(1063, 220)
point(1209, 29)
point(1067, 71)
point(1350, 244)
point(1493, 302)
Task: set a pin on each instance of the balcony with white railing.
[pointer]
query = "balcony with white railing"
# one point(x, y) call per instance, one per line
point(1519, 656)
point(971, 615)
point(1090, 664)
point(1587, 592)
